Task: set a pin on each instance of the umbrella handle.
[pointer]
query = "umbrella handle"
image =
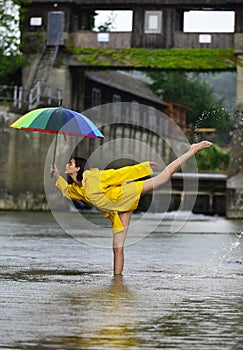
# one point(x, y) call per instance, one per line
point(54, 155)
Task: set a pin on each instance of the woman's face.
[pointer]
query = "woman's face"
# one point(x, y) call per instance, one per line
point(71, 168)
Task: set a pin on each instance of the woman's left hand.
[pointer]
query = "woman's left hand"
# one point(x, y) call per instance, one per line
point(54, 171)
point(152, 164)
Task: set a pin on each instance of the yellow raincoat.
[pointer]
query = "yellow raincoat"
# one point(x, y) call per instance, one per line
point(111, 191)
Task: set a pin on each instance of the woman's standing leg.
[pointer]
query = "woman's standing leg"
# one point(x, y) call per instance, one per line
point(119, 241)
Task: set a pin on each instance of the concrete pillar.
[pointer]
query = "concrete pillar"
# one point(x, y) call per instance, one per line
point(60, 78)
point(234, 207)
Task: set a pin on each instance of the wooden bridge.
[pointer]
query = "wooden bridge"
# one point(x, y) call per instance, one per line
point(50, 29)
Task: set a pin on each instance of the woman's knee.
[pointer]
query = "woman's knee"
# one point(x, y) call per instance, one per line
point(119, 239)
point(125, 218)
point(118, 251)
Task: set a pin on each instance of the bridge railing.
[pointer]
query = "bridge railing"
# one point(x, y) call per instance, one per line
point(203, 40)
point(120, 40)
point(106, 40)
point(41, 93)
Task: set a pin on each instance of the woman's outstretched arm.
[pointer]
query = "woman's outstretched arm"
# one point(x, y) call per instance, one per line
point(166, 174)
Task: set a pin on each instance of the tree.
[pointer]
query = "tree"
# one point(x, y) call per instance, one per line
point(108, 25)
point(187, 88)
point(214, 159)
point(10, 57)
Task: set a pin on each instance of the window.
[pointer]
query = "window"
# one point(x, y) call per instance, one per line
point(95, 97)
point(74, 23)
point(114, 21)
point(116, 107)
point(209, 21)
point(153, 22)
point(116, 98)
point(36, 21)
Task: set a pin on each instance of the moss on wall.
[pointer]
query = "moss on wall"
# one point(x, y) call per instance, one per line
point(186, 59)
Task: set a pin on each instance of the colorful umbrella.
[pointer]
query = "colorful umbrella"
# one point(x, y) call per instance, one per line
point(58, 120)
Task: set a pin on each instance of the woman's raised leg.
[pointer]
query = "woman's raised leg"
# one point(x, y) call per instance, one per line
point(165, 175)
point(119, 241)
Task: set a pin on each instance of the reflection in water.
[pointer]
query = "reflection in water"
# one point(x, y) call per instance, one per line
point(113, 304)
point(104, 320)
point(179, 291)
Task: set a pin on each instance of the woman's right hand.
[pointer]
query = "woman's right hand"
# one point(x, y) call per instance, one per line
point(197, 147)
point(54, 171)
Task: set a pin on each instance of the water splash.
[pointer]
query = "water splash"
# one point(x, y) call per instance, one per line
point(235, 249)
point(220, 118)
point(229, 254)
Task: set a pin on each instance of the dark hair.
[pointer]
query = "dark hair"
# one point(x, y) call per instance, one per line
point(82, 164)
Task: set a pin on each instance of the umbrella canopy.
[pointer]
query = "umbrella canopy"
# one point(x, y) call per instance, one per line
point(58, 120)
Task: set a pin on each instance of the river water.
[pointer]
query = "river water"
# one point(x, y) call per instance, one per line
point(179, 290)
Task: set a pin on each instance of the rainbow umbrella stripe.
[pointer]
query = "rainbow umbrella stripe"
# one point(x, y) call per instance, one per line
point(58, 120)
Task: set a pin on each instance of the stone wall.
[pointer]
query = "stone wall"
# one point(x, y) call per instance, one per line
point(22, 158)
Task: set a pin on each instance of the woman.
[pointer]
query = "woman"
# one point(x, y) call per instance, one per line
point(116, 193)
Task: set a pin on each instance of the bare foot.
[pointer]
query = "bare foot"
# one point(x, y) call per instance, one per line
point(197, 147)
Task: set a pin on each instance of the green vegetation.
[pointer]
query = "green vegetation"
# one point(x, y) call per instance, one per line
point(108, 24)
point(167, 59)
point(33, 42)
point(11, 60)
point(213, 159)
point(9, 66)
point(207, 109)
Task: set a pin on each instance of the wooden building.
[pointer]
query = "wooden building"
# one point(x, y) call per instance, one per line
point(110, 86)
point(156, 24)
point(118, 86)
point(48, 28)
point(177, 112)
